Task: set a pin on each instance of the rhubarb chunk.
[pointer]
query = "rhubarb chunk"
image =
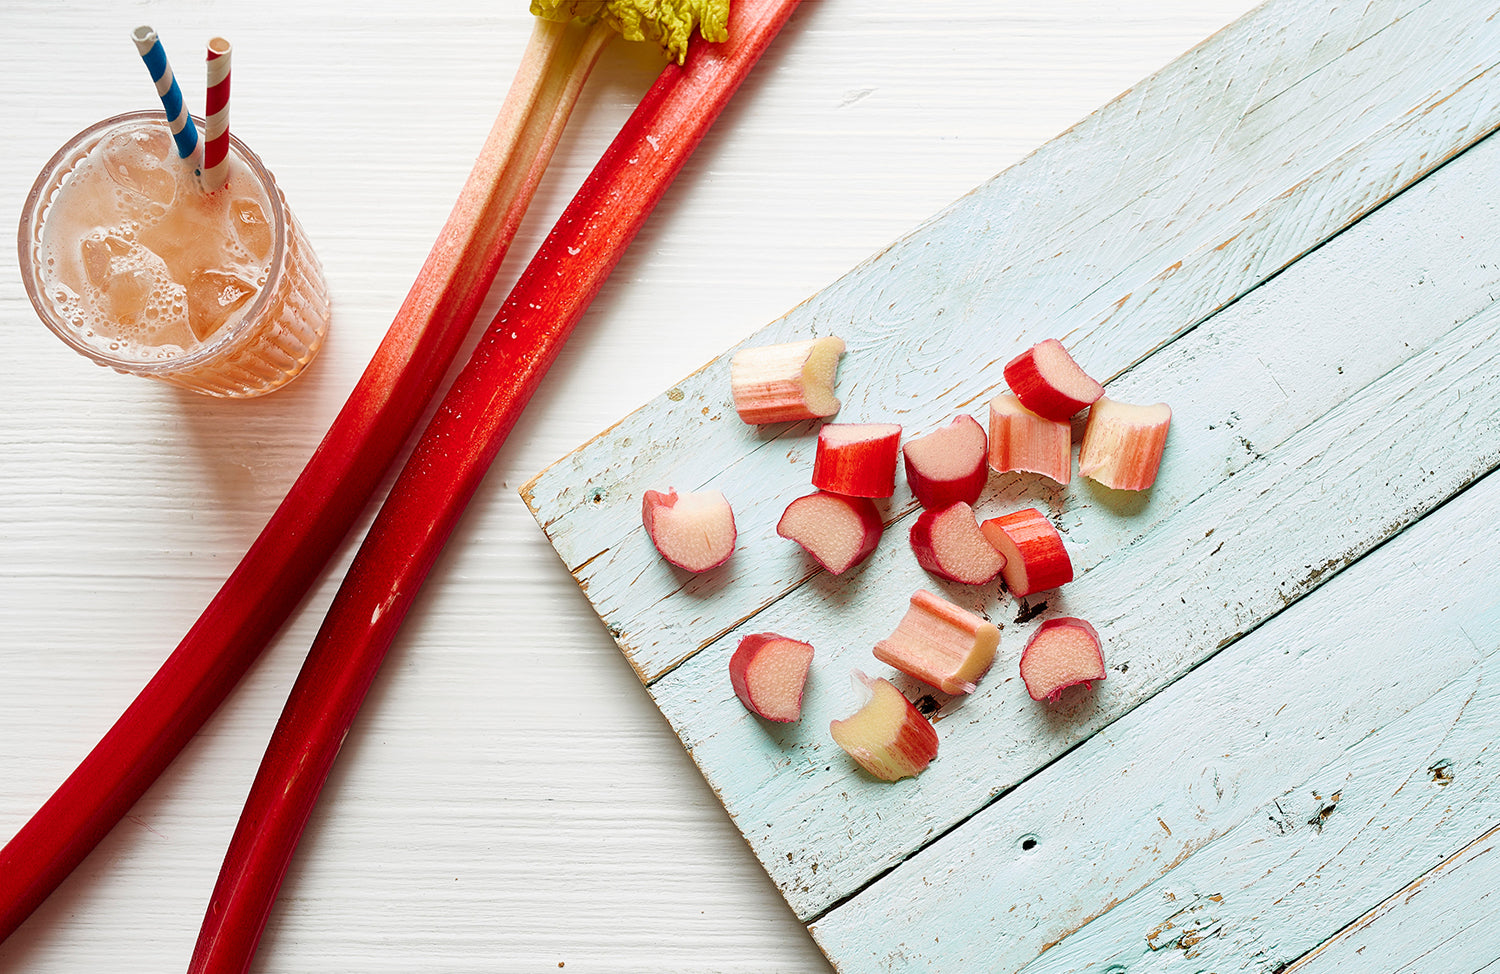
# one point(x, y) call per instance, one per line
point(1020, 440)
point(887, 736)
point(941, 644)
point(694, 531)
point(950, 544)
point(857, 459)
point(838, 531)
point(1063, 652)
point(785, 382)
point(768, 673)
point(1035, 558)
point(1123, 443)
point(1049, 383)
point(948, 464)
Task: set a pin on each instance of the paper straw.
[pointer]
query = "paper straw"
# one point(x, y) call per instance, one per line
point(178, 120)
point(216, 117)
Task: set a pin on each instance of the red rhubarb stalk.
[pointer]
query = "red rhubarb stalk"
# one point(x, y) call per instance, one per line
point(449, 461)
point(333, 489)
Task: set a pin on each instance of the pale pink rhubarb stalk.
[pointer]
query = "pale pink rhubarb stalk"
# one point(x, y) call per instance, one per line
point(786, 382)
point(1062, 653)
point(1123, 443)
point(1020, 440)
point(944, 645)
point(450, 460)
point(887, 735)
point(333, 489)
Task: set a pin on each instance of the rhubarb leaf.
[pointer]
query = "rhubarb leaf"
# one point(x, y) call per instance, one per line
point(668, 23)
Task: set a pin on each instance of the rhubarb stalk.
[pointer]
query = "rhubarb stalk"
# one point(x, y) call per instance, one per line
point(449, 461)
point(333, 489)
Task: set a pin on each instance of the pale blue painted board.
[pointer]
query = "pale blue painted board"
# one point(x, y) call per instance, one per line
point(1120, 236)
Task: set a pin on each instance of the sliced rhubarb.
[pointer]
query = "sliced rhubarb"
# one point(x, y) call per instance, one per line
point(786, 382)
point(1020, 440)
point(1062, 653)
point(1035, 558)
point(950, 544)
point(694, 531)
point(768, 673)
point(1049, 383)
point(838, 531)
point(1123, 443)
point(857, 459)
point(941, 644)
point(886, 736)
point(948, 464)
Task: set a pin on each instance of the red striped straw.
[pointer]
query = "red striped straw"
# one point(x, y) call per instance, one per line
point(216, 117)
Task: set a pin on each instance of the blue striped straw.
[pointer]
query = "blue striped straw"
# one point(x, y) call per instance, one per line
point(155, 56)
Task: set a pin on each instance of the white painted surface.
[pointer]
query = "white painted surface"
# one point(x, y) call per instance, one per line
point(510, 799)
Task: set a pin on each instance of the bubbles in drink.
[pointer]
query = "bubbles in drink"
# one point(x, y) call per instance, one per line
point(212, 297)
point(137, 161)
point(251, 227)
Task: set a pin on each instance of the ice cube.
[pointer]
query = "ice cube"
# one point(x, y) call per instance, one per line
point(129, 291)
point(136, 161)
point(251, 227)
point(212, 296)
point(96, 255)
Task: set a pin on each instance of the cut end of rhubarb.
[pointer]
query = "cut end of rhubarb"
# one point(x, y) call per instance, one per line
point(1048, 381)
point(950, 544)
point(857, 459)
point(948, 464)
point(768, 673)
point(694, 531)
point(838, 531)
point(786, 382)
point(1123, 443)
point(1062, 653)
point(941, 644)
point(1024, 442)
point(1035, 557)
point(887, 736)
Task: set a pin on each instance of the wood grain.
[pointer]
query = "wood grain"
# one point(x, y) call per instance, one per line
point(1332, 384)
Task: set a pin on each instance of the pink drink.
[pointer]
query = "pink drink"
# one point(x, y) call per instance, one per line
point(131, 263)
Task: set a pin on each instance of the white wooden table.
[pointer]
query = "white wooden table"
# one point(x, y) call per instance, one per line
point(511, 798)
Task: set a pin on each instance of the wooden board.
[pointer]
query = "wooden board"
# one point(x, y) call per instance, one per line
point(1289, 235)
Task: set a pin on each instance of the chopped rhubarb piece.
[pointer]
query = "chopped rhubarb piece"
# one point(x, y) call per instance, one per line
point(887, 736)
point(857, 459)
point(1063, 652)
point(1035, 558)
point(948, 464)
point(1123, 443)
point(838, 531)
point(941, 644)
point(1049, 383)
point(694, 531)
point(768, 673)
point(1020, 440)
point(790, 381)
point(949, 544)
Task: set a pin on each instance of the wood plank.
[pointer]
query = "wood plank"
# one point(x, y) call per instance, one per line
point(1264, 497)
point(1119, 235)
point(1308, 863)
point(1459, 900)
point(1150, 790)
